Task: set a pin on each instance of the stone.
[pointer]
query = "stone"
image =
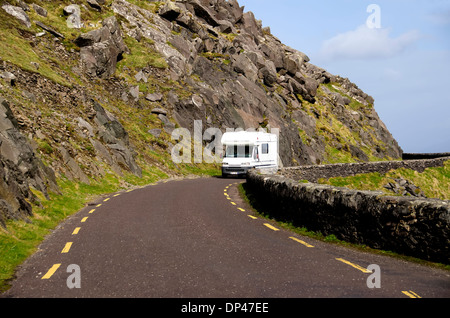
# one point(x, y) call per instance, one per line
point(155, 97)
point(140, 76)
point(9, 77)
point(114, 135)
point(94, 5)
point(204, 13)
point(155, 132)
point(134, 92)
point(15, 148)
point(408, 225)
point(18, 13)
point(74, 171)
point(49, 29)
point(159, 111)
point(40, 10)
point(170, 11)
point(74, 16)
point(101, 49)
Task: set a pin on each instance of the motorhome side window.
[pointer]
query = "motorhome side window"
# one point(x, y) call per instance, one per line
point(265, 148)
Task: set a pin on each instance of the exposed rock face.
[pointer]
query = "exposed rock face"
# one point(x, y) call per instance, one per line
point(248, 77)
point(20, 169)
point(74, 111)
point(101, 49)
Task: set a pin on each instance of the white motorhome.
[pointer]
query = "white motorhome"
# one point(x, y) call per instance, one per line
point(246, 150)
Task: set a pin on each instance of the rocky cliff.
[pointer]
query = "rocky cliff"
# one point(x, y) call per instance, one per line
point(95, 87)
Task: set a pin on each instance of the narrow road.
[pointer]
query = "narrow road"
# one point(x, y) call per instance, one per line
point(196, 238)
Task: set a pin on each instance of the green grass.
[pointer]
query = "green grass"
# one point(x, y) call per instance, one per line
point(17, 49)
point(434, 182)
point(21, 238)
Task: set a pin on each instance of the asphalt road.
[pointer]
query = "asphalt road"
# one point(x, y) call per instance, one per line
point(196, 238)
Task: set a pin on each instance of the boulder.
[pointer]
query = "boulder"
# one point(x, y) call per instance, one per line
point(155, 97)
point(94, 5)
point(40, 10)
point(203, 13)
point(101, 49)
point(18, 13)
point(16, 149)
point(170, 11)
point(49, 29)
point(114, 135)
point(74, 16)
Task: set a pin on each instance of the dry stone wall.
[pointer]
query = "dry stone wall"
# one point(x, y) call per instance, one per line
point(313, 173)
point(411, 226)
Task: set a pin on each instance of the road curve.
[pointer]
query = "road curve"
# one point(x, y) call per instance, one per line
point(196, 238)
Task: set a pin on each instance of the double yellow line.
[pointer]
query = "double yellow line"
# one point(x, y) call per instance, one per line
point(68, 245)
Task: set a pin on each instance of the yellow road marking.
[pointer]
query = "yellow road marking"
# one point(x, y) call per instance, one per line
point(411, 294)
point(91, 211)
point(98, 205)
point(116, 195)
point(107, 199)
point(252, 217)
point(241, 209)
point(233, 203)
point(130, 190)
point(362, 269)
point(75, 232)
point(271, 227)
point(300, 241)
point(67, 247)
point(84, 219)
point(51, 271)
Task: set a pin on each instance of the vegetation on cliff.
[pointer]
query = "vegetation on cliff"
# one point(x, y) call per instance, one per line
point(92, 90)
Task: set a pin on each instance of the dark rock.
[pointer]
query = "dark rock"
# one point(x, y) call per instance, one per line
point(95, 5)
point(203, 13)
point(101, 49)
point(170, 11)
point(49, 29)
point(39, 10)
point(114, 135)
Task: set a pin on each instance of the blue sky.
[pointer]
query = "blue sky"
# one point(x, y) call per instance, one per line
point(404, 64)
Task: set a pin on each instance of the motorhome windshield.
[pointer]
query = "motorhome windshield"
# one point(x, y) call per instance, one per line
point(239, 151)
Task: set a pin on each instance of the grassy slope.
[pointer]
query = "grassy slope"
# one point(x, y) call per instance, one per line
point(435, 182)
point(21, 237)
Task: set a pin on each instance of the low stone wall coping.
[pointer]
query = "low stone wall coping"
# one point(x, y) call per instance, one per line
point(412, 226)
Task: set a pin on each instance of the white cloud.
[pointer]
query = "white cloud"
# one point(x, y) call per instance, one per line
point(365, 43)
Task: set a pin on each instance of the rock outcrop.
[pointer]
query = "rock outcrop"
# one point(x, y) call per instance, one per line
point(249, 77)
point(101, 49)
point(100, 87)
